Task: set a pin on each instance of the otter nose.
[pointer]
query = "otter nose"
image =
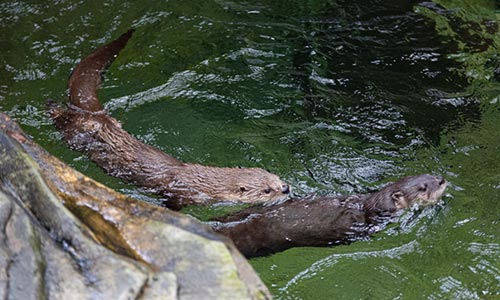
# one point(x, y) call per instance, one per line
point(440, 180)
point(285, 189)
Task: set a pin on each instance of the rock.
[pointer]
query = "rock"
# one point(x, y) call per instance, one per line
point(65, 236)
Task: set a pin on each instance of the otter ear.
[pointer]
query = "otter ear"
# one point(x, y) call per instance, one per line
point(399, 200)
point(243, 189)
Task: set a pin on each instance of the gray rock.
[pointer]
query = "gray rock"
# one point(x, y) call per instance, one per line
point(65, 236)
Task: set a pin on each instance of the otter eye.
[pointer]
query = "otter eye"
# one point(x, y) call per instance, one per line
point(243, 189)
point(422, 188)
point(267, 191)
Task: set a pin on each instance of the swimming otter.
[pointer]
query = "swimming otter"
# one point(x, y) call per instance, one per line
point(323, 221)
point(88, 128)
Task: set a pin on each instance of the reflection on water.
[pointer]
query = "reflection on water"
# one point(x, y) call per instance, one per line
point(334, 96)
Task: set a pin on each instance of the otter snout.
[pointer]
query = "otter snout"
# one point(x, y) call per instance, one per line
point(285, 189)
point(440, 180)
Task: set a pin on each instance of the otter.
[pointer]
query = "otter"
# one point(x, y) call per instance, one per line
point(324, 220)
point(87, 127)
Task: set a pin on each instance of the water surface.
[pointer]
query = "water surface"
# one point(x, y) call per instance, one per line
point(334, 96)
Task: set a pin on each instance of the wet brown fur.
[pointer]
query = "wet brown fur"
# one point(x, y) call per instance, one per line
point(323, 221)
point(88, 128)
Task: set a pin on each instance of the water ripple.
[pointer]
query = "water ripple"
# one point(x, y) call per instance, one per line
point(13, 11)
point(452, 288)
point(197, 82)
point(484, 249)
point(328, 262)
point(176, 86)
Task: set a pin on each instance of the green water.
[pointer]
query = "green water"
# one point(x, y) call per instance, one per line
point(334, 96)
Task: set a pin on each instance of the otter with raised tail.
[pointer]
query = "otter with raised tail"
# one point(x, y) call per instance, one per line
point(88, 128)
point(323, 221)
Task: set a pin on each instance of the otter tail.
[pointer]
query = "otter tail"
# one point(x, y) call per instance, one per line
point(86, 77)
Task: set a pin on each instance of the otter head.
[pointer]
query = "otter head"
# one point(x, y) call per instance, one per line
point(247, 185)
point(258, 185)
point(421, 189)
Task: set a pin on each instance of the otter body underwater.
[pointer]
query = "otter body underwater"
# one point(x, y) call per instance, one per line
point(88, 128)
point(325, 221)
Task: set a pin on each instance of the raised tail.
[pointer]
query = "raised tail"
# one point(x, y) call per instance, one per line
point(86, 77)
